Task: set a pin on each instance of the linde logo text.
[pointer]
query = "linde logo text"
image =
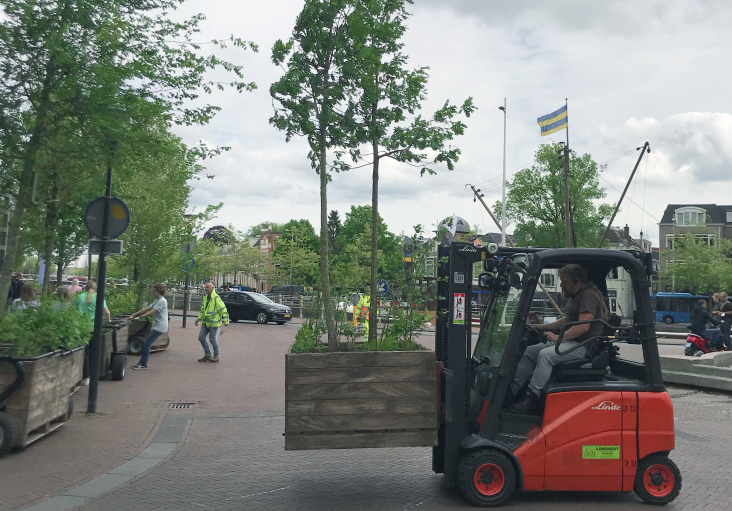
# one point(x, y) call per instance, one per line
point(606, 405)
point(467, 249)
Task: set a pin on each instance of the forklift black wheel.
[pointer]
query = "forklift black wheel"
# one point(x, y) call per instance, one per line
point(134, 345)
point(8, 433)
point(658, 480)
point(119, 366)
point(486, 478)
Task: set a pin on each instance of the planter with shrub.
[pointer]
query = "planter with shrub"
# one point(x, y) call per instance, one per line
point(43, 349)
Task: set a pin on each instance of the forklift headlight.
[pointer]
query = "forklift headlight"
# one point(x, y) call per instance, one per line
point(492, 248)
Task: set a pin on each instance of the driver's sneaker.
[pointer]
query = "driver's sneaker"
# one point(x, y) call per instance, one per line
point(529, 405)
point(138, 367)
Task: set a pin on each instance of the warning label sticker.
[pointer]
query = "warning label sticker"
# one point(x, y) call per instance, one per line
point(600, 452)
point(458, 309)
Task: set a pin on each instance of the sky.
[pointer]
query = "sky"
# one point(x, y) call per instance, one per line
point(632, 72)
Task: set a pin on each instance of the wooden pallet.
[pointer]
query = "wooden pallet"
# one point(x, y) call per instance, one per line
point(360, 400)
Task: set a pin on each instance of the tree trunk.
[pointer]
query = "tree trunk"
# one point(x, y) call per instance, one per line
point(324, 266)
point(373, 312)
point(25, 189)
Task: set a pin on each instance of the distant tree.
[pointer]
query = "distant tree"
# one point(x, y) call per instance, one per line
point(535, 200)
point(696, 266)
point(334, 228)
point(219, 234)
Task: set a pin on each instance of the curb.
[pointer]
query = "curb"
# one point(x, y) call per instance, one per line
point(167, 438)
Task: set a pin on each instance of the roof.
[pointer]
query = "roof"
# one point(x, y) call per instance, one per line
point(717, 214)
point(616, 235)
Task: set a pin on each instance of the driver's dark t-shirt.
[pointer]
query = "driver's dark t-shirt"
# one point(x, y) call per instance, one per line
point(587, 300)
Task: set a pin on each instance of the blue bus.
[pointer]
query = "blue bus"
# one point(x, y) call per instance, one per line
point(674, 307)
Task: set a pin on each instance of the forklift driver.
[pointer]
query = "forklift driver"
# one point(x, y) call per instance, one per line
point(585, 303)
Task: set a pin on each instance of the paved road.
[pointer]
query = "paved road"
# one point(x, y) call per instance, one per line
point(231, 455)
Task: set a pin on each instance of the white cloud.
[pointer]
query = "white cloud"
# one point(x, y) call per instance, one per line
point(633, 71)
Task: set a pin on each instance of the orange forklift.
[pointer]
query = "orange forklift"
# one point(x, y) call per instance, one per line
point(605, 422)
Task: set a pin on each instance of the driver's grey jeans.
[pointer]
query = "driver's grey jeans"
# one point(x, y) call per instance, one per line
point(540, 359)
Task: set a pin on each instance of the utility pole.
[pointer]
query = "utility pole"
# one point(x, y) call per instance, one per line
point(646, 148)
point(503, 203)
point(512, 244)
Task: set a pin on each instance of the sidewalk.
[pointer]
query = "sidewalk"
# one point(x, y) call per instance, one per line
point(130, 410)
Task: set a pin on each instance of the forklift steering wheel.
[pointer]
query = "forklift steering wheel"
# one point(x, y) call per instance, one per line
point(538, 336)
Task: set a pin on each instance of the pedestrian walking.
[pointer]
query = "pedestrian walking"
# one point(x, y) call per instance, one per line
point(159, 309)
point(15, 286)
point(213, 313)
point(724, 312)
point(74, 287)
point(86, 304)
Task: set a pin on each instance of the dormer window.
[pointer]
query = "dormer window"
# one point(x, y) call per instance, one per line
point(690, 216)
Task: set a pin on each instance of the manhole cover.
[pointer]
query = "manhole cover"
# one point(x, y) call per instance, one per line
point(181, 406)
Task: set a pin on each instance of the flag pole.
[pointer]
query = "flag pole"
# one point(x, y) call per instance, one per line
point(567, 224)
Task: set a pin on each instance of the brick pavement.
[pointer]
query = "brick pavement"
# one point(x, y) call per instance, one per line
point(233, 455)
point(86, 447)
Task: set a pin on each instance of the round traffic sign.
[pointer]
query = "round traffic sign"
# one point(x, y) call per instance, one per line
point(383, 287)
point(187, 262)
point(118, 218)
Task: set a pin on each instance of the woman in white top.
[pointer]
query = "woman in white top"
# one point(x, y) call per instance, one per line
point(159, 309)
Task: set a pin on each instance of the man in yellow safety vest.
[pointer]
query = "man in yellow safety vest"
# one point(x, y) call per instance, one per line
point(213, 313)
point(362, 309)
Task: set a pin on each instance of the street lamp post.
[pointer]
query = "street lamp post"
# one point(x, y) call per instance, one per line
point(185, 289)
point(503, 204)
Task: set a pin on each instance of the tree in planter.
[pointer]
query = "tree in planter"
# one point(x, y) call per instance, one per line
point(386, 93)
point(69, 63)
point(535, 200)
point(313, 102)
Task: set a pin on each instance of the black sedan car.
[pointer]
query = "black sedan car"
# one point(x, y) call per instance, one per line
point(255, 307)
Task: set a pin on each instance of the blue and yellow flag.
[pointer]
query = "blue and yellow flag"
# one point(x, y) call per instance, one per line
point(554, 121)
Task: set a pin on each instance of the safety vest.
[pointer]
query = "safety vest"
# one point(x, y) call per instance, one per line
point(213, 311)
point(363, 305)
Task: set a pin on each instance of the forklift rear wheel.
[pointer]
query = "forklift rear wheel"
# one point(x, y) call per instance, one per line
point(119, 365)
point(134, 345)
point(486, 477)
point(8, 433)
point(658, 480)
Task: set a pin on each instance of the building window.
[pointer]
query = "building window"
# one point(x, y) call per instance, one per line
point(729, 216)
point(706, 238)
point(690, 216)
point(613, 274)
point(670, 241)
point(547, 279)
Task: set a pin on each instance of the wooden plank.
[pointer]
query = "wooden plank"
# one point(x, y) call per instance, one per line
point(320, 391)
point(370, 358)
point(355, 406)
point(361, 440)
point(368, 374)
point(360, 422)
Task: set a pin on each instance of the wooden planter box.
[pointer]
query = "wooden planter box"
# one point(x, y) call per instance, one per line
point(360, 400)
point(41, 404)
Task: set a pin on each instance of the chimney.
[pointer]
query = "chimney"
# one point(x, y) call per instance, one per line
point(626, 232)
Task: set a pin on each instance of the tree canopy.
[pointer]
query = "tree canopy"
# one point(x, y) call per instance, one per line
point(535, 200)
point(696, 266)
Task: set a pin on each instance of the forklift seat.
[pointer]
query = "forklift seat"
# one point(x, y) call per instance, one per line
point(591, 368)
point(594, 366)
